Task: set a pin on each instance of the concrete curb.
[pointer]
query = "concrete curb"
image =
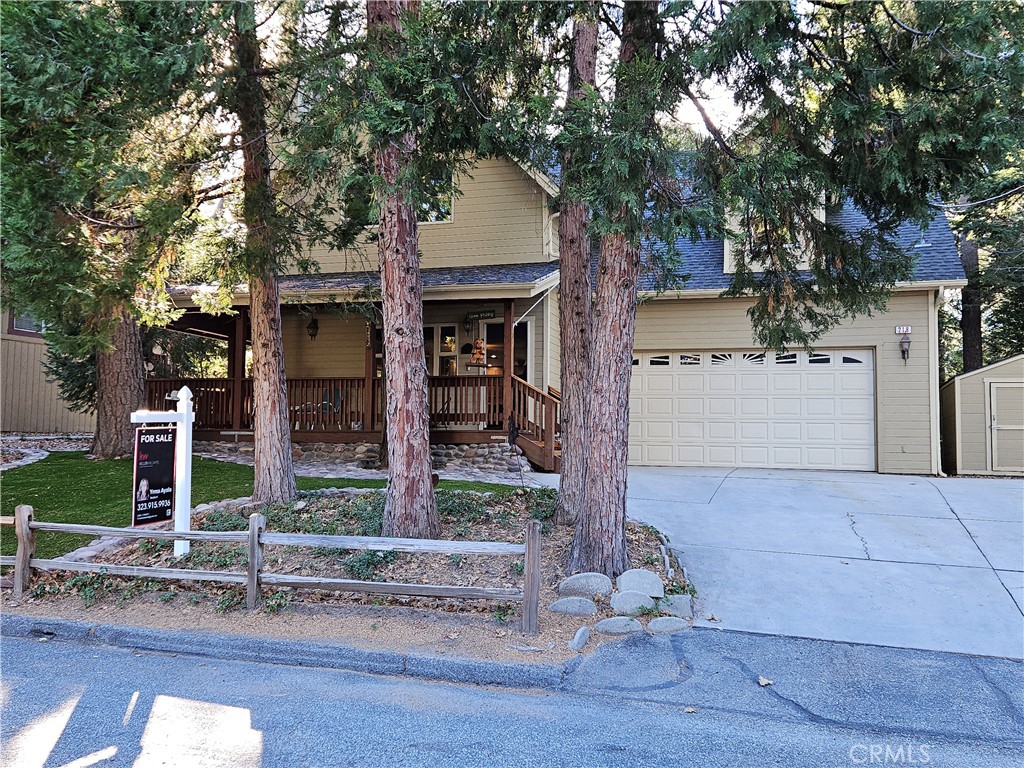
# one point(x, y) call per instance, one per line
point(290, 652)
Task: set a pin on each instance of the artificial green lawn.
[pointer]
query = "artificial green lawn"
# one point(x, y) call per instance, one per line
point(66, 487)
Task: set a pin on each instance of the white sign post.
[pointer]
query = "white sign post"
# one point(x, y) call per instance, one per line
point(182, 417)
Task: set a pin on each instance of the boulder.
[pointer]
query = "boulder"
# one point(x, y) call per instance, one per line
point(640, 580)
point(585, 585)
point(618, 625)
point(676, 605)
point(580, 639)
point(574, 606)
point(631, 603)
point(667, 625)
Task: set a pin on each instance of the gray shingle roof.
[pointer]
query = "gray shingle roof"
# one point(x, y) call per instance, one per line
point(436, 277)
point(933, 249)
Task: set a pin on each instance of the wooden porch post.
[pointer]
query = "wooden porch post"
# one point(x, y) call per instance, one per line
point(236, 368)
point(368, 380)
point(510, 311)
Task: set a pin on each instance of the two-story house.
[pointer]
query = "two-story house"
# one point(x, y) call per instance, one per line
point(703, 393)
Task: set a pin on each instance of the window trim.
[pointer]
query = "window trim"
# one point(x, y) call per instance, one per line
point(13, 331)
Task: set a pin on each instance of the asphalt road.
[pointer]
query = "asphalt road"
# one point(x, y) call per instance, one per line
point(830, 704)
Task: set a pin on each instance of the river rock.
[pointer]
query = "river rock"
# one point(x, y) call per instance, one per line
point(640, 580)
point(574, 606)
point(585, 585)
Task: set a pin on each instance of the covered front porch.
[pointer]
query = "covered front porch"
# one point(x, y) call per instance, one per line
point(334, 369)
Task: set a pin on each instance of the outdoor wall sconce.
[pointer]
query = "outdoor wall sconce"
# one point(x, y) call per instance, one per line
point(313, 328)
point(467, 325)
point(905, 348)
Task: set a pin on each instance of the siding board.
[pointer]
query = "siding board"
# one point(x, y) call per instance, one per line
point(29, 402)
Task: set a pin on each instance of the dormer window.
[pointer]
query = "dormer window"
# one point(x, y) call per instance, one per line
point(800, 248)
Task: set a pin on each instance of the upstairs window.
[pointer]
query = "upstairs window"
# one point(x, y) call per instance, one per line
point(25, 323)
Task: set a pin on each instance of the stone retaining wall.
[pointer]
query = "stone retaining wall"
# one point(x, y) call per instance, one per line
point(486, 456)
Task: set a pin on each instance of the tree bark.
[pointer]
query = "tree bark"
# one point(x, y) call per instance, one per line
point(599, 540)
point(970, 306)
point(410, 509)
point(120, 389)
point(274, 473)
point(272, 443)
point(574, 289)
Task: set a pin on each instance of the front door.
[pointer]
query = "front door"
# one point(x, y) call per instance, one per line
point(522, 349)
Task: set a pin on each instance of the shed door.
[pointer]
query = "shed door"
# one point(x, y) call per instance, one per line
point(754, 409)
point(1007, 428)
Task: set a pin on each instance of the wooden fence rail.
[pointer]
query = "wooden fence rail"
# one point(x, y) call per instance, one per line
point(254, 578)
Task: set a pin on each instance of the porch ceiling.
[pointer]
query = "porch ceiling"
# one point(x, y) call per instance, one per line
point(495, 281)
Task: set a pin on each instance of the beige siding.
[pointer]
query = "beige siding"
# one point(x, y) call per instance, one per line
point(974, 431)
point(29, 402)
point(905, 407)
point(498, 219)
point(338, 350)
point(947, 421)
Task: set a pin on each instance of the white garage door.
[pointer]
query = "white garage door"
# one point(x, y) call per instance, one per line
point(753, 409)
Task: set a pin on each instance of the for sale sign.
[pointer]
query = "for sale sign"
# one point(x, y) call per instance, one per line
point(153, 484)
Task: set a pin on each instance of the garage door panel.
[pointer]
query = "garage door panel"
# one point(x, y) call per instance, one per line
point(753, 406)
point(658, 430)
point(722, 455)
point(820, 457)
point(786, 406)
point(689, 382)
point(659, 406)
point(753, 383)
point(721, 382)
point(786, 382)
point(787, 431)
point(692, 455)
point(721, 430)
point(820, 406)
point(659, 454)
point(721, 406)
point(754, 455)
point(727, 408)
point(856, 407)
point(753, 431)
point(689, 406)
point(820, 432)
point(690, 430)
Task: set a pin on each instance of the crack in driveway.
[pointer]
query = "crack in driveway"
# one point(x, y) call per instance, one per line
point(853, 527)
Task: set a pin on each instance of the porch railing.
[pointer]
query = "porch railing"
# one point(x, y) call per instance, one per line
point(536, 414)
point(337, 403)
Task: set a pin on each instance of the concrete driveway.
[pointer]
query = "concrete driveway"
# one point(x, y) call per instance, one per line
point(891, 560)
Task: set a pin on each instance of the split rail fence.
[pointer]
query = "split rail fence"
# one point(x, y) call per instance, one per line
point(254, 578)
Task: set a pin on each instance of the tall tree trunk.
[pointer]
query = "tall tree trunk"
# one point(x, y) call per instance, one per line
point(410, 508)
point(970, 306)
point(574, 286)
point(120, 388)
point(599, 541)
point(275, 475)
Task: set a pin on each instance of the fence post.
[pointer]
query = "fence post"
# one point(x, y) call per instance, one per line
point(253, 596)
point(26, 548)
point(531, 578)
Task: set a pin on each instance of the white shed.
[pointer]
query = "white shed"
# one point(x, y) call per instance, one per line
point(983, 420)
